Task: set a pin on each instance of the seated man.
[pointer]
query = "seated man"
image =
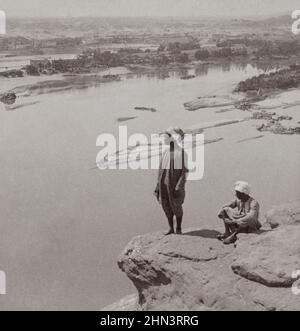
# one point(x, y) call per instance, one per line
point(240, 215)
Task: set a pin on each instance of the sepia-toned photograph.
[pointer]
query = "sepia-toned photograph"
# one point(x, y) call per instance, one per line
point(149, 157)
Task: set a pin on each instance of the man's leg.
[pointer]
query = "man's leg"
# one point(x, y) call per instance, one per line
point(165, 203)
point(178, 211)
point(227, 228)
point(242, 227)
point(171, 224)
point(178, 224)
point(223, 215)
point(169, 214)
point(232, 238)
point(236, 229)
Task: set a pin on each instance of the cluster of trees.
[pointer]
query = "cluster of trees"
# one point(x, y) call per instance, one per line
point(268, 48)
point(222, 52)
point(108, 58)
point(283, 79)
point(264, 47)
point(165, 55)
point(32, 71)
point(96, 57)
point(163, 59)
point(202, 54)
point(177, 47)
point(130, 50)
point(130, 56)
point(14, 73)
point(182, 58)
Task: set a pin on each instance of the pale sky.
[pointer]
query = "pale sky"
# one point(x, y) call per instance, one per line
point(75, 8)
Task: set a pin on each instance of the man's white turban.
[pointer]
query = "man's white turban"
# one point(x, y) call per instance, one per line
point(243, 187)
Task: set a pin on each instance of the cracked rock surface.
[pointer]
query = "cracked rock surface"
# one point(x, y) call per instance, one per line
point(195, 271)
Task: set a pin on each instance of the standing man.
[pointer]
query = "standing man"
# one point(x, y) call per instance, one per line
point(170, 188)
point(240, 215)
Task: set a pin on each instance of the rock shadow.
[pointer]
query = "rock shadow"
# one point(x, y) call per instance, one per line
point(212, 234)
point(204, 233)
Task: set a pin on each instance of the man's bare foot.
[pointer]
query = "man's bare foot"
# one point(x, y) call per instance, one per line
point(223, 236)
point(178, 231)
point(171, 231)
point(230, 240)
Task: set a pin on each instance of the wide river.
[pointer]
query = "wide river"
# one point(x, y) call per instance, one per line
point(62, 224)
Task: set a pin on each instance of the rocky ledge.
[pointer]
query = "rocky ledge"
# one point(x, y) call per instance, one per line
point(8, 98)
point(197, 272)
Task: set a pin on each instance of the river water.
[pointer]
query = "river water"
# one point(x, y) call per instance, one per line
point(64, 223)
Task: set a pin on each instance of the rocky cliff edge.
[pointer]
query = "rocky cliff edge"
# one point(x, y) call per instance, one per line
point(197, 272)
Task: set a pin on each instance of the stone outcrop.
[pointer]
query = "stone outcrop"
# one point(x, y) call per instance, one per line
point(270, 259)
point(287, 214)
point(195, 271)
point(8, 98)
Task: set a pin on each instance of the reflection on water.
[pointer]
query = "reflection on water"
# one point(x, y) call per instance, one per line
point(205, 69)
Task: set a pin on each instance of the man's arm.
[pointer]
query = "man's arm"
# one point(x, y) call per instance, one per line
point(232, 204)
point(156, 191)
point(182, 179)
point(223, 214)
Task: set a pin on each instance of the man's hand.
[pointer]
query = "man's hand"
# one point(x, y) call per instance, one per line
point(156, 194)
point(237, 217)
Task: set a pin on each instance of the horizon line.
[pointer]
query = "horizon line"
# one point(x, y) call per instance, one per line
point(274, 15)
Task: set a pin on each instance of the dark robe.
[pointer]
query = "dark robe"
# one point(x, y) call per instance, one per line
point(171, 181)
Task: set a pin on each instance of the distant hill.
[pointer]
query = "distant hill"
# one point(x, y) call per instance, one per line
point(90, 26)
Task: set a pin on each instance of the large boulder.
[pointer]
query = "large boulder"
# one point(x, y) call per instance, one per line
point(270, 259)
point(8, 98)
point(287, 214)
point(195, 271)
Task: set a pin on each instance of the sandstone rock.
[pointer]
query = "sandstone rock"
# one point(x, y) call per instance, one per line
point(8, 98)
point(195, 271)
point(271, 258)
point(287, 214)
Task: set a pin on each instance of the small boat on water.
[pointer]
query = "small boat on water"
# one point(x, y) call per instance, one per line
point(187, 77)
point(111, 77)
point(153, 110)
point(125, 119)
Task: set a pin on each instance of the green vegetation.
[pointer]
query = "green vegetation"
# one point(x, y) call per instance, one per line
point(282, 79)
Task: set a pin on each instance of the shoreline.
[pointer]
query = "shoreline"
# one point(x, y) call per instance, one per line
point(97, 76)
point(258, 105)
point(159, 260)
